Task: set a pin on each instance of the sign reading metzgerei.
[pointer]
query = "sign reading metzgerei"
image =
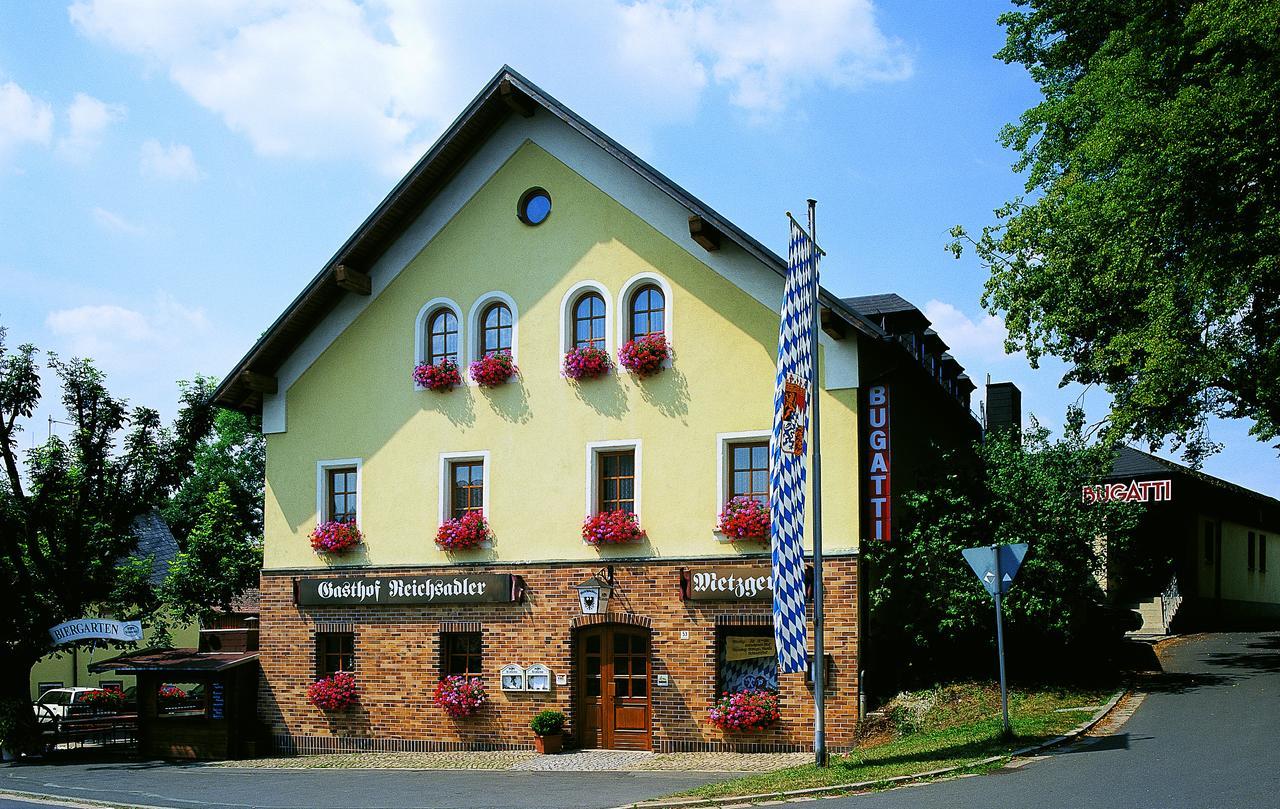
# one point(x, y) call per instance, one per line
point(461, 588)
point(730, 584)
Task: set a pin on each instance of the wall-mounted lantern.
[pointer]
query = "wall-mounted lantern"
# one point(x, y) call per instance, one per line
point(594, 594)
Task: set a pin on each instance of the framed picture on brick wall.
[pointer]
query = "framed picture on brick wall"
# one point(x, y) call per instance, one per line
point(538, 678)
point(513, 678)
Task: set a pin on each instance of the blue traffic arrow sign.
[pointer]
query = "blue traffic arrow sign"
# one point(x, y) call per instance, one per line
point(983, 562)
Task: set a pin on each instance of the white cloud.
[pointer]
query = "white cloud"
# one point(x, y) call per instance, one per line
point(23, 119)
point(87, 119)
point(172, 162)
point(378, 80)
point(970, 340)
point(122, 338)
point(116, 222)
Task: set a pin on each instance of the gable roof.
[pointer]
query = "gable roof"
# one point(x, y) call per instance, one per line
point(156, 541)
point(1130, 463)
point(507, 93)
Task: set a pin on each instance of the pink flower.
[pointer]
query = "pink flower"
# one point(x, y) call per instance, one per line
point(745, 518)
point(745, 710)
point(611, 528)
point(644, 356)
point(439, 377)
point(335, 537)
point(333, 693)
point(460, 696)
point(464, 532)
point(586, 362)
point(493, 369)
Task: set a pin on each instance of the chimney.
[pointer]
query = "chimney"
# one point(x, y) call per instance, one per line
point(1004, 407)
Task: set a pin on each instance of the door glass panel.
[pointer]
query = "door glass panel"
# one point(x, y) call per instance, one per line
point(638, 665)
point(620, 687)
point(593, 645)
point(639, 686)
point(621, 644)
point(593, 686)
point(593, 667)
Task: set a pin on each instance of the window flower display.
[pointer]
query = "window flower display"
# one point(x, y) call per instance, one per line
point(493, 369)
point(463, 533)
point(746, 710)
point(644, 356)
point(104, 699)
point(333, 693)
point(439, 377)
point(170, 693)
point(745, 518)
point(460, 696)
point(611, 528)
point(586, 362)
point(335, 537)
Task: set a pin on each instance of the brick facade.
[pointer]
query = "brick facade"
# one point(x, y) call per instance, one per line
point(397, 652)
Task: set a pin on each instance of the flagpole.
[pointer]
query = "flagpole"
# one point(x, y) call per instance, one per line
point(815, 454)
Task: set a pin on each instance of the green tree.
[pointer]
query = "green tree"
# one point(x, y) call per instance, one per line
point(931, 618)
point(234, 455)
point(220, 560)
point(68, 507)
point(1146, 252)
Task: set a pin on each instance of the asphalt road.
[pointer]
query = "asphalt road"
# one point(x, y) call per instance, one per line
point(1206, 736)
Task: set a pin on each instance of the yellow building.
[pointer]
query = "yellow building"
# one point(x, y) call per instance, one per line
point(527, 231)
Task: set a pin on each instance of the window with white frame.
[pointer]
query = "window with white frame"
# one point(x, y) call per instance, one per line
point(743, 459)
point(464, 484)
point(613, 476)
point(338, 490)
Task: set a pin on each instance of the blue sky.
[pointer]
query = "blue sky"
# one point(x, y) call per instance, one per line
point(171, 174)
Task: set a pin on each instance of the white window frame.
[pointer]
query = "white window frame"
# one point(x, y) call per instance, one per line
point(420, 333)
point(624, 306)
point(567, 304)
point(322, 483)
point(443, 512)
point(594, 450)
point(724, 444)
point(476, 333)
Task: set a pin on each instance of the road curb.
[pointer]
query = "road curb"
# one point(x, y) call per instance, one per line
point(814, 792)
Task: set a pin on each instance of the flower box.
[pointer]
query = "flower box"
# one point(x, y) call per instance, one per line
point(612, 528)
point(104, 700)
point(460, 696)
point(463, 533)
point(493, 370)
point(745, 518)
point(586, 362)
point(335, 537)
point(170, 693)
point(333, 693)
point(644, 356)
point(439, 377)
point(746, 710)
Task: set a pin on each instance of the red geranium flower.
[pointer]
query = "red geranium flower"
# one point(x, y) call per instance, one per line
point(333, 693)
point(493, 369)
point(439, 377)
point(335, 537)
point(644, 356)
point(745, 518)
point(464, 532)
point(611, 528)
point(460, 696)
point(586, 362)
point(746, 710)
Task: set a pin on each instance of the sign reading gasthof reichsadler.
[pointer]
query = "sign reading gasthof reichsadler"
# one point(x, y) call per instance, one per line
point(461, 588)
point(730, 584)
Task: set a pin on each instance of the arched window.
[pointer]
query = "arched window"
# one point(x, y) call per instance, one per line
point(495, 329)
point(442, 337)
point(588, 321)
point(648, 312)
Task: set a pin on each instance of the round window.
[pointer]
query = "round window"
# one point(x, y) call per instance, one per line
point(534, 207)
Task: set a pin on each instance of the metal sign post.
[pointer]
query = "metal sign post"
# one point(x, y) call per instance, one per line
point(996, 566)
point(815, 454)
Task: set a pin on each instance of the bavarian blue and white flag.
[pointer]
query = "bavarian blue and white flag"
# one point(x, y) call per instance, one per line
point(787, 467)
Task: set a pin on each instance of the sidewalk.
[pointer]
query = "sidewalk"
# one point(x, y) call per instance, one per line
point(575, 761)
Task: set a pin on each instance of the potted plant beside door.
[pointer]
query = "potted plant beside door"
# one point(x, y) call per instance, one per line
point(548, 731)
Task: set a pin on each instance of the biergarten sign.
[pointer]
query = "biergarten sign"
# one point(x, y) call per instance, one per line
point(461, 588)
point(96, 629)
point(1135, 491)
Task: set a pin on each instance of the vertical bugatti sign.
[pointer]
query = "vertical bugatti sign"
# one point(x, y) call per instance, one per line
point(879, 459)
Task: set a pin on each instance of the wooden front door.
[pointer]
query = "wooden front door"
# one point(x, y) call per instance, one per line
point(613, 688)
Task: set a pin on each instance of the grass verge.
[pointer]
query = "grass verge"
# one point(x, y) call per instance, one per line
point(948, 726)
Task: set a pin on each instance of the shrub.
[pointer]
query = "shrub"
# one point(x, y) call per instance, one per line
point(644, 356)
point(745, 518)
point(463, 533)
point(333, 693)
point(586, 362)
point(746, 710)
point(548, 723)
point(439, 377)
point(494, 369)
point(460, 696)
point(335, 537)
point(611, 528)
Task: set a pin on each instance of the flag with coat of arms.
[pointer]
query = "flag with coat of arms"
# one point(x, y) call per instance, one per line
point(787, 466)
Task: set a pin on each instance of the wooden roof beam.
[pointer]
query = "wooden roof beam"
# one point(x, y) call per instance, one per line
point(259, 383)
point(705, 233)
point(515, 99)
point(836, 327)
point(352, 280)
